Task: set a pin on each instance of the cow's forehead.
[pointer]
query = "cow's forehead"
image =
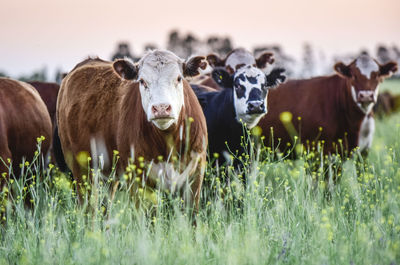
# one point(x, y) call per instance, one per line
point(159, 64)
point(250, 71)
point(366, 65)
point(239, 56)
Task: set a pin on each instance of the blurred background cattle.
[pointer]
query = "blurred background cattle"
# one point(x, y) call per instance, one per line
point(310, 62)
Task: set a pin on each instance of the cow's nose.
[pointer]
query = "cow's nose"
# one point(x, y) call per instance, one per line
point(366, 96)
point(255, 107)
point(161, 111)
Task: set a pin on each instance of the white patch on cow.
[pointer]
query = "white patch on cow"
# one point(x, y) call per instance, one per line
point(99, 153)
point(168, 175)
point(239, 56)
point(376, 93)
point(241, 104)
point(366, 65)
point(160, 70)
point(366, 134)
point(366, 109)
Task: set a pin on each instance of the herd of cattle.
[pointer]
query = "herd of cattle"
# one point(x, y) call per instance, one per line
point(167, 112)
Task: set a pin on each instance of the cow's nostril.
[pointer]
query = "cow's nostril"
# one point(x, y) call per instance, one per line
point(161, 110)
point(255, 107)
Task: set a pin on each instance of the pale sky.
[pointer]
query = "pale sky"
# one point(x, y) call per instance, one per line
point(55, 33)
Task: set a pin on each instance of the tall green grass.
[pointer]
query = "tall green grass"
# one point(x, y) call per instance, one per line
point(285, 214)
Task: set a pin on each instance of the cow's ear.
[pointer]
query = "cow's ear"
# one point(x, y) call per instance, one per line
point(191, 67)
point(222, 77)
point(214, 60)
point(276, 77)
point(388, 69)
point(342, 69)
point(264, 59)
point(125, 69)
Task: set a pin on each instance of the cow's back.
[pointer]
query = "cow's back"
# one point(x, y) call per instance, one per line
point(86, 108)
point(23, 118)
point(208, 81)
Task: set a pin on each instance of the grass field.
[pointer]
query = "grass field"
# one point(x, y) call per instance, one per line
point(286, 214)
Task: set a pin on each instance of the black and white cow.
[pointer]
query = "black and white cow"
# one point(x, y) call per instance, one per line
point(243, 100)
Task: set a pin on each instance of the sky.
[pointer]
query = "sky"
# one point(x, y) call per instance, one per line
point(59, 34)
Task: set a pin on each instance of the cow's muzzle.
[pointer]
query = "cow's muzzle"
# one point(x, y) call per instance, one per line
point(255, 107)
point(366, 97)
point(161, 111)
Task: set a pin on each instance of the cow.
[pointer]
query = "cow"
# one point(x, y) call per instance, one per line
point(198, 89)
point(48, 92)
point(335, 110)
point(233, 61)
point(145, 111)
point(386, 104)
point(243, 100)
point(23, 120)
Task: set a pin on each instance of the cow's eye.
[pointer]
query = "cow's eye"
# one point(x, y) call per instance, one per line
point(240, 91)
point(143, 83)
point(179, 79)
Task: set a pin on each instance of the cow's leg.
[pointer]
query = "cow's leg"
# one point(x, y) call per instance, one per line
point(78, 174)
point(197, 184)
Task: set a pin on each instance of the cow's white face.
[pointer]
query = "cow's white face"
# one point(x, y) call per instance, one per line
point(364, 75)
point(250, 89)
point(250, 95)
point(161, 88)
point(161, 83)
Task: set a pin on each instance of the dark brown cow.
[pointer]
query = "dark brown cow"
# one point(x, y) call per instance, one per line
point(48, 92)
point(386, 104)
point(23, 118)
point(328, 108)
point(142, 110)
point(233, 61)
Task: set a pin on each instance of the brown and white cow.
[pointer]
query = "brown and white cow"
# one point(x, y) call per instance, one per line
point(23, 119)
point(236, 59)
point(142, 110)
point(328, 108)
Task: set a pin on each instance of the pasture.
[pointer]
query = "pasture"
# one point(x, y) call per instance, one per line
point(285, 214)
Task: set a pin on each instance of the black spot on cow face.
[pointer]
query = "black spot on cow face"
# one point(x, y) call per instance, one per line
point(257, 94)
point(252, 79)
point(240, 89)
